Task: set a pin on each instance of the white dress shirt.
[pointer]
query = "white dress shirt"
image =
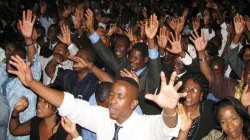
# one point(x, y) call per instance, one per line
point(96, 119)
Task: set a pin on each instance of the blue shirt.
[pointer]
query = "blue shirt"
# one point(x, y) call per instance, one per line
point(89, 135)
point(14, 90)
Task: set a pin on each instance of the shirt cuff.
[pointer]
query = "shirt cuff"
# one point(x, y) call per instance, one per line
point(232, 46)
point(94, 37)
point(153, 53)
point(187, 60)
point(173, 132)
point(73, 49)
point(78, 138)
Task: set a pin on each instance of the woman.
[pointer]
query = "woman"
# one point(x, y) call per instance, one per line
point(233, 119)
point(200, 110)
point(45, 126)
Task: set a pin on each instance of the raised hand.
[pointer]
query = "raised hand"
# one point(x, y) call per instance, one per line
point(206, 17)
point(151, 27)
point(172, 23)
point(168, 97)
point(43, 7)
point(196, 23)
point(79, 62)
point(198, 41)
point(78, 18)
point(180, 24)
point(128, 32)
point(239, 24)
point(112, 29)
point(186, 120)
point(131, 74)
point(162, 39)
point(248, 23)
point(23, 70)
point(65, 38)
point(90, 21)
point(245, 97)
point(175, 43)
point(185, 12)
point(27, 23)
point(21, 105)
point(69, 127)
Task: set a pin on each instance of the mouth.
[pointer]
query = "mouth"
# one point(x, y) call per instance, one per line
point(112, 110)
point(39, 111)
point(117, 53)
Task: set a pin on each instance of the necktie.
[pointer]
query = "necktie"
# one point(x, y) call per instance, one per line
point(117, 128)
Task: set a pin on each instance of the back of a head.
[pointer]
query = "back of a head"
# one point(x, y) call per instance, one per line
point(219, 61)
point(102, 91)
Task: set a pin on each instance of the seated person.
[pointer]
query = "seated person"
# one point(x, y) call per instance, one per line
point(45, 125)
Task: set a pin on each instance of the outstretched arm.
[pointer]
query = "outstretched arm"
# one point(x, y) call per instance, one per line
point(24, 74)
point(168, 99)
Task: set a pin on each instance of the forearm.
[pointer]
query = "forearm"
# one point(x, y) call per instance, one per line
point(247, 33)
point(51, 68)
point(101, 75)
point(182, 136)
point(54, 97)
point(151, 43)
point(107, 43)
point(236, 39)
point(205, 69)
point(170, 117)
point(31, 50)
point(14, 123)
point(74, 134)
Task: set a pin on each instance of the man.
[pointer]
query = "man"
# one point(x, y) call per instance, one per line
point(10, 85)
point(144, 60)
point(122, 122)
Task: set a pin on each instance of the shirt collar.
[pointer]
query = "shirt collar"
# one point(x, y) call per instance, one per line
point(130, 121)
point(140, 71)
point(179, 75)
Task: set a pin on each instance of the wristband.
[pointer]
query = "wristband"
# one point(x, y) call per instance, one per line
point(170, 116)
point(90, 69)
point(29, 44)
point(78, 138)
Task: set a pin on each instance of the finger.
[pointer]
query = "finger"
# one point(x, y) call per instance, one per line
point(245, 90)
point(24, 16)
point(178, 85)
point(13, 72)
point(172, 36)
point(193, 36)
point(196, 33)
point(172, 79)
point(182, 95)
point(14, 64)
point(60, 38)
point(151, 97)
point(191, 39)
point(33, 20)
point(15, 59)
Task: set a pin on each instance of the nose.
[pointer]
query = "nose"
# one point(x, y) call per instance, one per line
point(230, 125)
point(113, 100)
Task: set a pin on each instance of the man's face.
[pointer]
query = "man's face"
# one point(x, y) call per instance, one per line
point(120, 48)
point(137, 61)
point(246, 55)
point(51, 34)
point(122, 101)
point(177, 65)
point(61, 52)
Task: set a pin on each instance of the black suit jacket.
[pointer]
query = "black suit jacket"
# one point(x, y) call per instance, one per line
point(149, 78)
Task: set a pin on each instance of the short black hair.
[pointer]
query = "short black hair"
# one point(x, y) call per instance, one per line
point(40, 29)
point(124, 37)
point(213, 46)
point(131, 82)
point(201, 80)
point(142, 47)
point(91, 52)
point(102, 91)
point(216, 60)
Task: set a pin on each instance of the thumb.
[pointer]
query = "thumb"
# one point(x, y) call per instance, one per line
point(151, 97)
point(60, 38)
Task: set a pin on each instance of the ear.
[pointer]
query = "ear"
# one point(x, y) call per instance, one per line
point(146, 60)
point(134, 104)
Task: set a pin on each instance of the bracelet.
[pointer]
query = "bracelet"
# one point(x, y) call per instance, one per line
point(90, 69)
point(14, 117)
point(202, 59)
point(170, 116)
point(78, 138)
point(29, 44)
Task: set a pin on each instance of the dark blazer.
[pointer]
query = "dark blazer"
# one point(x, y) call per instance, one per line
point(149, 78)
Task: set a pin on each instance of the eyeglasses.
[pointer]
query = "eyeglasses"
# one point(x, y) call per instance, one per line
point(191, 90)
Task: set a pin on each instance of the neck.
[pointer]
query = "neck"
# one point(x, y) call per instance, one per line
point(49, 121)
point(193, 110)
point(241, 137)
point(82, 74)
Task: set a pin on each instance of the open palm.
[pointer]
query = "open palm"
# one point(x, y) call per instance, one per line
point(151, 27)
point(27, 23)
point(168, 97)
point(175, 43)
point(198, 41)
point(23, 70)
point(162, 39)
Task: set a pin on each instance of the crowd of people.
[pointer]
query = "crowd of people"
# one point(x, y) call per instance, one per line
point(125, 69)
